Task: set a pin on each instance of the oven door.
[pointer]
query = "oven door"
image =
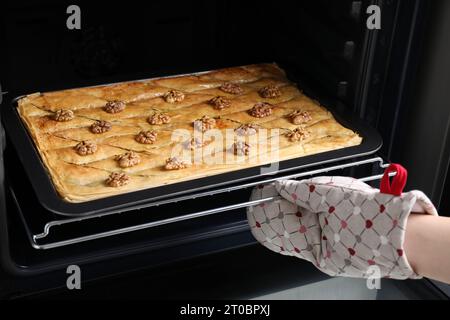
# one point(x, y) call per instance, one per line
point(249, 273)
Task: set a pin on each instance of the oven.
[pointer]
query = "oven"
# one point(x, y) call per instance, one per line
point(197, 244)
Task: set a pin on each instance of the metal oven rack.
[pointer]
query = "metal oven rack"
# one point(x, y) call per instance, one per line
point(38, 239)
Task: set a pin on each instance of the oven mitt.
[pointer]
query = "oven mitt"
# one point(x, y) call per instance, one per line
point(342, 225)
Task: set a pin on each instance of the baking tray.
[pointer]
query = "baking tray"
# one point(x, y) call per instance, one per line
point(50, 199)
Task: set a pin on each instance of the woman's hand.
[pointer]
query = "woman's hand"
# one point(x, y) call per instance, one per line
point(427, 245)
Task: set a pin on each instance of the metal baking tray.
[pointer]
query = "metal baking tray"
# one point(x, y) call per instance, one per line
point(51, 200)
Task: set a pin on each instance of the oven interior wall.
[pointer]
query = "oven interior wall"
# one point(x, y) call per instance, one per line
point(322, 40)
point(423, 142)
point(324, 45)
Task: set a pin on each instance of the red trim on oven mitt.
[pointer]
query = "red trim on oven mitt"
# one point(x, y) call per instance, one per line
point(343, 226)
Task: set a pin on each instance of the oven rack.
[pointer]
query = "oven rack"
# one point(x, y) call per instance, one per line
point(37, 240)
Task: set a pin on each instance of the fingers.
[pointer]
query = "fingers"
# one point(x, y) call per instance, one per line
point(267, 220)
point(423, 204)
point(292, 190)
point(299, 192)
point(264, 191)
point(314, 194)
point(281, 227)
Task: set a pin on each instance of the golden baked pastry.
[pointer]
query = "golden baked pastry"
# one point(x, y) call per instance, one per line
point(102, 141)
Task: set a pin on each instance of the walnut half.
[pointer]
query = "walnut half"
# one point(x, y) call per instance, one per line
point(85, 148)
point(129, 159)
point(100, 126)
point(249, 129)
point(241, 148)
point(115, 106)
point(270, 91)
point(300, 117)
point(174, 96)
point(204, 124)
point(175, 163)
point(63, 115)
point(220, 102)
point(261, 110)
point(298, 135)
point(147, 137)
point(117, 179)
point(232, 88)
point(159, 119)
point(196, 143)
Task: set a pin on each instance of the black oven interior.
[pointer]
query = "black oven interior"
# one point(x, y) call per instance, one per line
point(324, 46)
point(321, 43)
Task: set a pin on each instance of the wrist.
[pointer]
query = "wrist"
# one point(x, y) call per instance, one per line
point(413, 241)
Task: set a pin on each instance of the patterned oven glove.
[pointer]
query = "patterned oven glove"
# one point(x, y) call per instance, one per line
point(341, 225)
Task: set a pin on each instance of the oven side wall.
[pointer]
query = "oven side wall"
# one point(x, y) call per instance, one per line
point(422, 142)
